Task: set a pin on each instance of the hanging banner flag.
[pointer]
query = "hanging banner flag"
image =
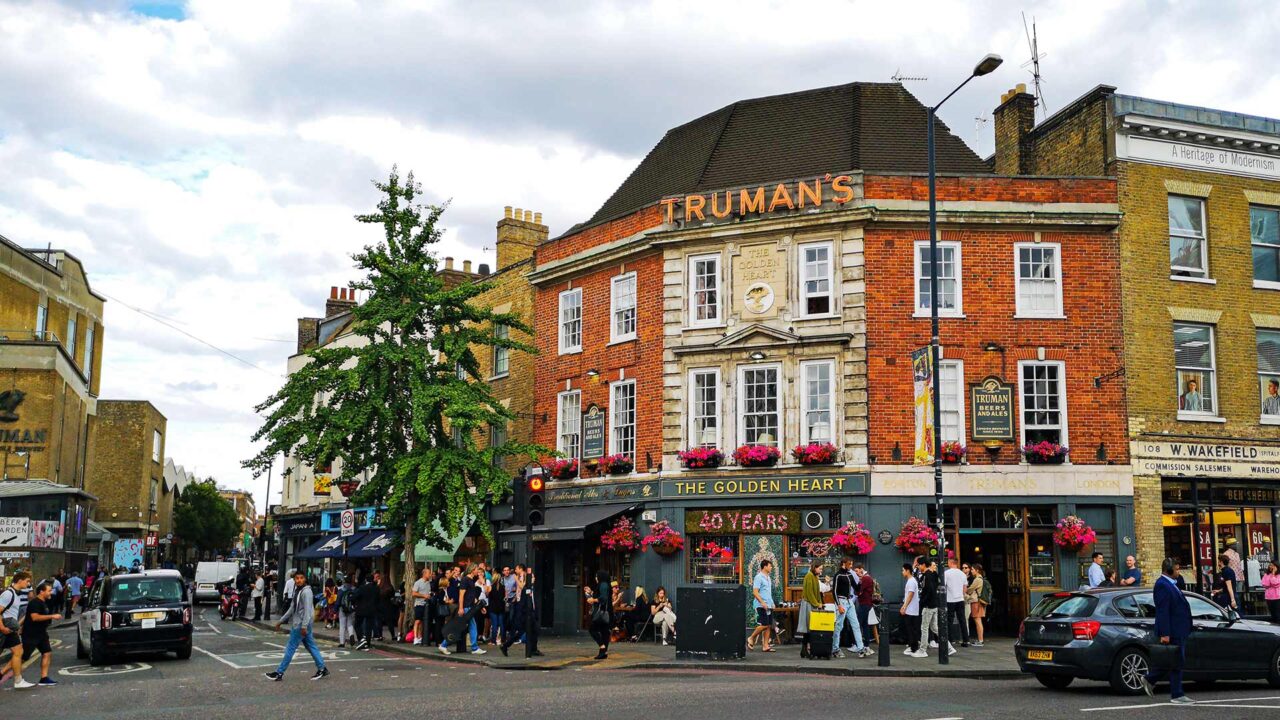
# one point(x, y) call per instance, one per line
point(922, 374)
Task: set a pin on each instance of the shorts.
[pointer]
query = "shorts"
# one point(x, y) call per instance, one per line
point(420, 612)
point(32, 644)
point(764, 616)
point(12, 639)
point(977, 610)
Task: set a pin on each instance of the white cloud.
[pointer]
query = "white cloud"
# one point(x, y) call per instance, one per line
point(208, 169)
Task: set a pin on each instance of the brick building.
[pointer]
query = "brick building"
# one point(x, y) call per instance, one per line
point(126, 472)
point(1200, 269)
point(50, 369)
point(246, 509)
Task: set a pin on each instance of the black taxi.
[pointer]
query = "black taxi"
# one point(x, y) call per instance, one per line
point(148, 611)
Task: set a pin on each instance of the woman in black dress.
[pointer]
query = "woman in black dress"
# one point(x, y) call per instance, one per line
point(598, 604)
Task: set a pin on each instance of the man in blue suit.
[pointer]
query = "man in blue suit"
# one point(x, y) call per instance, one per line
point(1173, 626)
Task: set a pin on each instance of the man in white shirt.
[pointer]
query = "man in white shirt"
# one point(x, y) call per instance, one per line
point(259, 589)
point(421, 593)
point(11, 610)
point(1097, 575)
point(956, 583)
point(910, 611)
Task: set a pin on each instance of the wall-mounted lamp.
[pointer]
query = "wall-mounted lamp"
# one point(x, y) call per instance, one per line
point(757, 355)
point(993, 347)
point(897, 452)
point(593, 373)
point(1101, 453)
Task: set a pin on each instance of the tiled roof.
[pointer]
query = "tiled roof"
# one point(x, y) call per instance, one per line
point(859, 126)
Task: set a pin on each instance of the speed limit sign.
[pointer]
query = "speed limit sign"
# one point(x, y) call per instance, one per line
point(347, 523)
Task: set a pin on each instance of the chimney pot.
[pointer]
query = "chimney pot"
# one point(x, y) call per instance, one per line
point(528, 216)
point(448, 263)
point(333, 292)
point(484, 268)
point(519, 214)
point(537, 218)
point(1021, 88)
point(506, 212)
point(466, 266)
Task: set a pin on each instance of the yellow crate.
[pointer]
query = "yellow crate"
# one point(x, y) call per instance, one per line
point(822, 620)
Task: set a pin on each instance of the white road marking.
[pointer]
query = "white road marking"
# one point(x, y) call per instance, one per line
point(215, 657)
point(1211, 703)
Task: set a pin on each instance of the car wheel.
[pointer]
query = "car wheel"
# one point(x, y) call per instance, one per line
point(97, 653)
point(184, 651)
point(81, 653)
point(1054, 682)
point(1273, 672)
point(1128, 670)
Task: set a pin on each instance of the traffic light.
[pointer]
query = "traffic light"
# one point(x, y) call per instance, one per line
point(535, 500)
point(518, 499)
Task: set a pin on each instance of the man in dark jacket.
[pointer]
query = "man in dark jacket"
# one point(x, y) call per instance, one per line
point(367, 606)
point(1173, 626)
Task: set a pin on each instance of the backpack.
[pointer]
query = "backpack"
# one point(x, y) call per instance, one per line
point(984, 595)
point(347, 601)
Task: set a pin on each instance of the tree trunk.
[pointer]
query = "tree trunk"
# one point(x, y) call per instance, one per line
point(410, 575)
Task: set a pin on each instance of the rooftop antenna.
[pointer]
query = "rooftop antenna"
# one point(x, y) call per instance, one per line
point(1034, 44)
point(898, 77)
point(978, 122)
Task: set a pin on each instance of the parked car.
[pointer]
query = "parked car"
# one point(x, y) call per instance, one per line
point(148, 611)
point(209, 578)
point(1102, 634)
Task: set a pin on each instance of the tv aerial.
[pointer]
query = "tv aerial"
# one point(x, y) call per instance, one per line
point(1037, 80)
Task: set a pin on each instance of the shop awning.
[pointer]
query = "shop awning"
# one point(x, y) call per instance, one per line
point(375, 543)
point(443, 553)
point(571, 523)
point(98, 534)
point(330, 546)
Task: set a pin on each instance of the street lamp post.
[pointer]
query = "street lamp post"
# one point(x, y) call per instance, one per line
point(984, 66)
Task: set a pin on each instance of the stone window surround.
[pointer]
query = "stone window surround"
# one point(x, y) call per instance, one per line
point(720, 305)
point(923, 312)
point(833, 281)
point(1063, 435)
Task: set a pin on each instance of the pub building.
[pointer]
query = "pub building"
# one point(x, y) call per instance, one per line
point(753, 288)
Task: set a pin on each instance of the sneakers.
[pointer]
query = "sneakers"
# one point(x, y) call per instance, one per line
point(503, 648)
point(274, 676)
point(933, 644)
point(1183, 700)
point(321, 673)
point(363, 644)
point(976, 643)
point(417, 641)
point(664, 642)
point(839, 654)
point(479, 651)
point(920, 654)
point(445, 650)
point(22, 684)
point(907, 652)
point(866, 653)
point(1147, 687)
point(952, 650)
point(47, 682)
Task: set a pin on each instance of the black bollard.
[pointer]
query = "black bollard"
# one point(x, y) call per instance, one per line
point(882, 647)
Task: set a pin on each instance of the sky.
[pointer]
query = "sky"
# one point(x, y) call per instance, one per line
point(204, 159)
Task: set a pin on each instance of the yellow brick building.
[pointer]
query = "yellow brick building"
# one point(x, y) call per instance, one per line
point(126, 472)
point(1200, 272)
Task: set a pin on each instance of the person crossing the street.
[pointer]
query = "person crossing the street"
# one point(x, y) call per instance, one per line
point(1172, 627)
point(845, 587)
point(300, 615)
point(10, 626)
point(35, 629)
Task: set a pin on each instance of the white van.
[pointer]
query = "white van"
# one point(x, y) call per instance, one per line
point(209, 574)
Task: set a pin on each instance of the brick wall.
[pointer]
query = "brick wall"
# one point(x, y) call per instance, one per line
point(992, 189)
point(576, 242)
point(121, 468)
point(511, 292)
point(1088, 340)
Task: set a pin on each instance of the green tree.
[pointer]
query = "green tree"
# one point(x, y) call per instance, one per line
point(204, 519)
point(403, 407)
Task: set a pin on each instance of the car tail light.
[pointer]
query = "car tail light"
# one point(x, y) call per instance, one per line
point(1022, 629)
point(1085, 629)
point(106, 620)
point(186, 616)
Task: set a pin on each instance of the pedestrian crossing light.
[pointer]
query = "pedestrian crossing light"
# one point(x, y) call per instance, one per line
point(535, 500)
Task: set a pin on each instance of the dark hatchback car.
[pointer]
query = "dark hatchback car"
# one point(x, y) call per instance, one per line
point(1102, 634)
point(139, 612)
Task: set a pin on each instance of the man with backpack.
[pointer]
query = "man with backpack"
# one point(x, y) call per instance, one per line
point(11, 607)
point(346, 612)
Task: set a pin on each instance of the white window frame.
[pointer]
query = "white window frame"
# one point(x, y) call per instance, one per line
point(615, 309)
point(501, 355)
point(88, 351)
point(1063, 436)
point(803, 275)
point(1203, 237)
point(1213, 415)
point(574, 422)
point(1253, 243)
point(70, 342)
point(42, 319)
point(157, 440)
point(565, 347)
point(832, 400)
point(1264, 417)
point(614, 406)
point(779, 442)
point(693, 402)
point(1021, 310)
point(960, 393)
point(917, 270)
point(718, 320)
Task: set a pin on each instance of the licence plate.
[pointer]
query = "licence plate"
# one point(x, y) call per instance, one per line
point(148, 624)
point(1046, 655)
point(152, 616)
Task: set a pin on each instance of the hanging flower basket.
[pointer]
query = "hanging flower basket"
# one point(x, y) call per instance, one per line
point(664, 539)
point(953, 452)
point(757, 455)
point(853, 539)
point(701, 458)
point(348, 487)
point(916, 537)
point(816, 454)
point(617, 464)
point(562, 469)
point(621, 538)
point(1045, 453)
point(1072, 533)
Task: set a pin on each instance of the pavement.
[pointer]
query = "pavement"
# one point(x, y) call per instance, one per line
point(224, 680)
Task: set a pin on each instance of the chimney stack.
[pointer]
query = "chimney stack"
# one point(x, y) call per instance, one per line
point(448, 263)
point(1015, 120)
point(484, 269)
point(466, 266)
point(340, 300)
point(519, 232)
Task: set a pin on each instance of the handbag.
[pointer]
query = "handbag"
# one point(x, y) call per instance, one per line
point(1162, 657)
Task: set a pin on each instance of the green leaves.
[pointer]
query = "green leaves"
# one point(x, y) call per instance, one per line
point(203, 518)
point(398, 399)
